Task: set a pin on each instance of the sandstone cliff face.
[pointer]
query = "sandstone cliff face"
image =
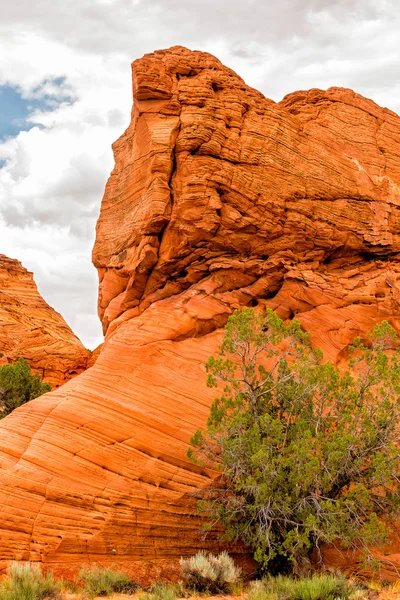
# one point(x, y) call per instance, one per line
point(295, 204)
point(30, 328)
point(219, 198)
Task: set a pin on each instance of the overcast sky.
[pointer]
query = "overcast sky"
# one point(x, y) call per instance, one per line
point(65, 96)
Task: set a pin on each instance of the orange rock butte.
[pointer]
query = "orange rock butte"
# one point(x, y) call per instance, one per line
point(219, 198)
point(31, 329)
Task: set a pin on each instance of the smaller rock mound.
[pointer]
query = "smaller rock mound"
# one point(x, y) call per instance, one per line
point(30, 328)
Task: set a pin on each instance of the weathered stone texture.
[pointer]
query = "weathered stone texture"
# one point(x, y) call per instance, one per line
point(219, 198)
point(31, 329)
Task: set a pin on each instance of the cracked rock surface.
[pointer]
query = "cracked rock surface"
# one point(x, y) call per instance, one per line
point(219, 198)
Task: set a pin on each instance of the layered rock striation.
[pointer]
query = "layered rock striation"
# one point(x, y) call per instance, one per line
point(31, 329)
point(220, 198)
point(295, 204)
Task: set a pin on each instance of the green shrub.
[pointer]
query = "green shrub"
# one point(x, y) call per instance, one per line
point(323, 587)
point(317, 587)
point(68, 586)
point(258, 591)
point(100, 581)
point(26, 582)
point(163, 591)
point(359, 594)
point(206, 572)
point(18, 386)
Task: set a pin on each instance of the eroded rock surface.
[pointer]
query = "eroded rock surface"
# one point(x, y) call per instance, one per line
point(219, 198)
point(31, 329)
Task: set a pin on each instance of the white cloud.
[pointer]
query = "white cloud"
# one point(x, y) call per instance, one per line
point(78, 53)
point(53, 181)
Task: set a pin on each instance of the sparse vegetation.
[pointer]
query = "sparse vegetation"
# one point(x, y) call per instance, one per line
point(163, 591)
point(208, 573)
point(204, 574)
point(317, 587)
point(26, 582)
point(307, 454)
point(18, 385)
point(100, 581)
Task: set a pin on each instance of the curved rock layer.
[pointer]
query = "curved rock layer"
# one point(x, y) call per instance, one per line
point(31, 329)
point(219, 198)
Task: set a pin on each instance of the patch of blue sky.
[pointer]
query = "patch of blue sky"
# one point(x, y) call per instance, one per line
point(15, 108)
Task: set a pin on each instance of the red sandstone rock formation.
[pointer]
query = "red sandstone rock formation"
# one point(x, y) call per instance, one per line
point(30, 328)
point(219, 198)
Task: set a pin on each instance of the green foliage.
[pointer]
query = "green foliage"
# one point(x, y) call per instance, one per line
point(99, 581)
point(307, 454)
point(317, 587)
point(208, 573)
point(163, 591)
point(18, 386)
point(69, 586)
point(26, 582)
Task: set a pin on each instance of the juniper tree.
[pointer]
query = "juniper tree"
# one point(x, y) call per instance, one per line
point(307, 453)
point(18, 385)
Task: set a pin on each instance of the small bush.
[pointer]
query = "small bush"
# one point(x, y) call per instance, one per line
point(99, 581)
point(163, 591)
point(258, 591)
point(273, 588)
point(237, 588)
point(359, 594)
point(317, 587)
point(208, 573)
point(71, 587)
point(26, 582)
point(323, 587)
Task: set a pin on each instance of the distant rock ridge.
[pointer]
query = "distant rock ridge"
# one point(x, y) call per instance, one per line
point(31, 329)
point(220, 198)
